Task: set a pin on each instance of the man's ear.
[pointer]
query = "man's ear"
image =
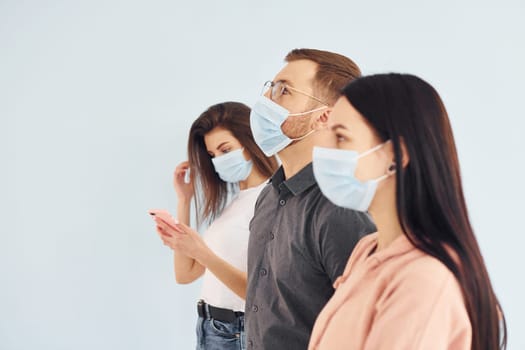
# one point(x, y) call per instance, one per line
point(321, 121)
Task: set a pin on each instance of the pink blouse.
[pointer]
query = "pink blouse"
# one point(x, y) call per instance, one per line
point(397, 298)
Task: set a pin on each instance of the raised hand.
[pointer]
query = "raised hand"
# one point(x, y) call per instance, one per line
point(184, 190)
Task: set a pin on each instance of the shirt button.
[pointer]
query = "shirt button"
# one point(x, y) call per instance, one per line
point(282, 202)
point(255, 308)
point(263, 272)
point(250, 343)
point(272, 236)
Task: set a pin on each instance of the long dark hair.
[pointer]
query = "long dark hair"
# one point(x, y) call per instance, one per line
point(429, 195)
point(211, 193)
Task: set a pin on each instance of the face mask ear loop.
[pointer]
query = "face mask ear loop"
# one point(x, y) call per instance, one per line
point(389, 172)
point(304, 136)
point(307, 112)
point(371, 150)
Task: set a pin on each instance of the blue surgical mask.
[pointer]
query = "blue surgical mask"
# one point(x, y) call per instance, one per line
point(232, 167)
point(334, 171)
point(266, 119)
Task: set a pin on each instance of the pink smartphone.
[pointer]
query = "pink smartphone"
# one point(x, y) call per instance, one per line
point(165, 216)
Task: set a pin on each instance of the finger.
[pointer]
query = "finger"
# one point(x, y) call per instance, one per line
point(180, 236)
point(164, 233)
point(166, 226)
point(165, 240)
point(160, 222)
point(166, 229)
point(180, 172)
point(182, 167)
point(183, 228)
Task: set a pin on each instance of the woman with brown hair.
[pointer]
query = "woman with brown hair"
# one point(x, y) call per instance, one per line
point(420, 281)
point(227, 172)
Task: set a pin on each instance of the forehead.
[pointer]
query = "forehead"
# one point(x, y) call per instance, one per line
point(344, 113)
point(300, 73)
point(218, 136)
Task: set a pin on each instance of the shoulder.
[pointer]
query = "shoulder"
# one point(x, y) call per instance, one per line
point(422, 279)
point(364, 246)
point(420, 267)
point(424, 298)
point(263, 193)
point(337, 219)
point(251, 194)
point(433, 294)
point(360, 252)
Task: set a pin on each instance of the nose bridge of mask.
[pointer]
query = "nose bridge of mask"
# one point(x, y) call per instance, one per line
point(229, 158)
point(270, 110)
point(345, 159)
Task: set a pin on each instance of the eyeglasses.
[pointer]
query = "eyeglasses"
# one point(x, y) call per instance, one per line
point(279, 88)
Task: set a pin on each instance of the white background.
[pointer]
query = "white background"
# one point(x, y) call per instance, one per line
point(96, 98)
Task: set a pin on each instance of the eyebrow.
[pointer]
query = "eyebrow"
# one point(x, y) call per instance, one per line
point(339, 126)
point(222, 144)
point(285, 81)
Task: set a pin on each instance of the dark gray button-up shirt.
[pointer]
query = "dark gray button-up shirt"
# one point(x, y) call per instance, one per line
point(299, 244)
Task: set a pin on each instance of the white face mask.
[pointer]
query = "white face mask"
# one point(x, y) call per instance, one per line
point(266, 119)
point(232, 167)
point(334, 170)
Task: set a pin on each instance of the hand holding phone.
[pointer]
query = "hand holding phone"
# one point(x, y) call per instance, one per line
point(166, 217)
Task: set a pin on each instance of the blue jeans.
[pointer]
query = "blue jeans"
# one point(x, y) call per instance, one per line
point(218, 335)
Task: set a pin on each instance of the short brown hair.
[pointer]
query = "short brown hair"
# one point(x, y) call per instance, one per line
point(213, 194)
point(333, 73)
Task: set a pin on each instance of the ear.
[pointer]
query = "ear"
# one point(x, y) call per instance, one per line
point(321, 121)
point(405, 158)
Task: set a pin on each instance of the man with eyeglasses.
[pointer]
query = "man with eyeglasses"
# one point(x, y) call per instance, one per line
point(299, 241)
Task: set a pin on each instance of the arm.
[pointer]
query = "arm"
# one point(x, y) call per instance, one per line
point(186, 240)
point(186, 268)
point(339, 233)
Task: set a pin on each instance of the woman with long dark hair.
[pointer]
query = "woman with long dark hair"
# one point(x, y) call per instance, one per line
point(229, 171)
point(420, 282)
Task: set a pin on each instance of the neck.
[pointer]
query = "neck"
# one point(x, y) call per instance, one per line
point(384, 212)
point(296, 156)
point(254, 179)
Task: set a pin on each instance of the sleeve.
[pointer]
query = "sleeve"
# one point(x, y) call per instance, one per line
point(339, 233)
point(420, 314)
point(260, 197)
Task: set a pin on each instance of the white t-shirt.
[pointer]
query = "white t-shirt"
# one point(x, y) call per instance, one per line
point(227, 236)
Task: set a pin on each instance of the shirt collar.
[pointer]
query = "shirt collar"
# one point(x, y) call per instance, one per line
point(399, 246)
point(298, 183)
